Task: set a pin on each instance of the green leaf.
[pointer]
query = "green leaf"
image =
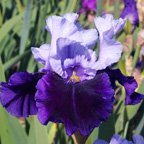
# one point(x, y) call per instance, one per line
point(99, 7)
point(8, 25)
point(136, 56)
point(121, 65)
point(38, 133)
point(52, 132)
point(126, 129)
point(14, 60)
point(11, 131)
point(93, 136)
point(31, 65)
point(71, 6)
point(107, 129)
point(116, 8)
point(128, 27)
point(19, 5)
point(26, 26)
point(1, 18)
point(140, 126)
point(120, 114)
point(120, 121)
point(132, 110)
point(2, 75)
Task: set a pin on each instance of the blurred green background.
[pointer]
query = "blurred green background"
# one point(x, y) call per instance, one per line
point(22, 26)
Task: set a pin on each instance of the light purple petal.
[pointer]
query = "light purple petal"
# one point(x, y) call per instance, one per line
point(104, 23)
point(70, 49)
point(61, 27)
point(71, 17)
point(138, 139)
point(110, 52)
point(81, 66)
point(108, 23)
point(75, 57)
point(92, 55)
point(41, 54)
point(110, 49)
point(56, 66)
point(17, 96)
point(117, 139)
point(89, 37)
point(66, 27)
point(100, 142)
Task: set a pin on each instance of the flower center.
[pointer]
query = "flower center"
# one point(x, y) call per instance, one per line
point(74, 77)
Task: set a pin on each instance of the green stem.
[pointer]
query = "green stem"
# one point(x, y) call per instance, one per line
point(126, 129)
point(140, 126)
point(116, 8)
point(99, 7)
point(2, 74)
point(78, 138)
point(136, 56)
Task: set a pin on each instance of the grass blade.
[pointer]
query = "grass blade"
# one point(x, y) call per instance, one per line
point(14, 60)
point(26, 26)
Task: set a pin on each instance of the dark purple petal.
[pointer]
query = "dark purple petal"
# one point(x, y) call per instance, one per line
point(17, 96)
point(129, 84)
point(130, 11)
point(94, 102)
point(80, 106)
point(54, 101)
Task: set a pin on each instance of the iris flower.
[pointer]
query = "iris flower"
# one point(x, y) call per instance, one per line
point(130, 12)
point(74, 87)
point(88, 6)
point(116, 139)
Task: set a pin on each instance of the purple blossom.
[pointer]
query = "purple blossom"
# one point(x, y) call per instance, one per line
point(64, 27)
point(71, 90)
point(87, 6)
point(74, 69)
point(117, 139)
point(63, 101)
point(130, 11)
point(17, 96)
point(129, 84)
point(110, 49)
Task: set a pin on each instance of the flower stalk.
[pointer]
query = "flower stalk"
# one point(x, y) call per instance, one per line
point(78, 138)
point(136, 56)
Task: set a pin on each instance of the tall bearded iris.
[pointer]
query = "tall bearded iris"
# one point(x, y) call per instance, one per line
point(75, 86)
point(130, 12)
